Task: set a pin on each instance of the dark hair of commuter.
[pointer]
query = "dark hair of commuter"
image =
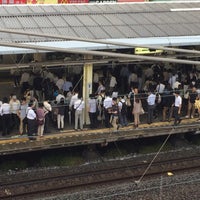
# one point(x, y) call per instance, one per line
point(31, 103)
point(79, 96)
point(23, 99)
point(107, 93)
point(40, 104)
point(62, 101)
point(5, 100)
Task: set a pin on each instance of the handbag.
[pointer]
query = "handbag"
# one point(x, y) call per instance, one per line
point(40, 122)
point(128, 102)
point(142, 111)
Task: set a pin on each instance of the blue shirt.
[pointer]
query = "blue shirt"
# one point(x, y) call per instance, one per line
point(66, 86)
point(151, 99)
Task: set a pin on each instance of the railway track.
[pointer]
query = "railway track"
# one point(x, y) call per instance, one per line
point(34, 187)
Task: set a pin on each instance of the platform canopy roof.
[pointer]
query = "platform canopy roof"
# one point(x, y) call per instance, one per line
point(163, 23)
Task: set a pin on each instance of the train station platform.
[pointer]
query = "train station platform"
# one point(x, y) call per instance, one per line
point(71, 138)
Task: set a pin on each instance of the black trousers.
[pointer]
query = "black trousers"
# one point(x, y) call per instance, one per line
point(107, 118)
point(93, 120)
point(32, 127)
point(46, 123)
point(6, 120)
point(176, 116)
point(151, 109)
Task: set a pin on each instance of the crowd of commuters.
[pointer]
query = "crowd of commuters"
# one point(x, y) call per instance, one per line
point(121, 94)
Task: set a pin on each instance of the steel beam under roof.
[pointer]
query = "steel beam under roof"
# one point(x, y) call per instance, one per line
point(114, 43)
point(100, 53)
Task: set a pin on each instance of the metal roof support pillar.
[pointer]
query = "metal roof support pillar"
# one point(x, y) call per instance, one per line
point(87, 85)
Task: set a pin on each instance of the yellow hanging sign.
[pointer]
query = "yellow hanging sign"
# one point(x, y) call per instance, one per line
point(139, 50)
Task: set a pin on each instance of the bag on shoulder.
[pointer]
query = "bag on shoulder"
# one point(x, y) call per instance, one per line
point(124, 108)
point(158, 98)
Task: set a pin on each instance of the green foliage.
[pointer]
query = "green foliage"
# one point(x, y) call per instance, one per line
point(13, 165)
point(60, 160)
point(154, 148)
point(115, 153)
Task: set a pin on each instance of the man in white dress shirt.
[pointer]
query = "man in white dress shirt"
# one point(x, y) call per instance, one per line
point(6, 116)
point(107, 105)
point(177, 108)
point(151, 106)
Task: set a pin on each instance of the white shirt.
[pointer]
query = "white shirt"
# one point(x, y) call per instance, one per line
point(160, 88)
point(25, 77)
point(178, 101)
point(14, 106)
point(50, 76)
point(60, 82)
point(120, 105)
point(5, 109)
point(176, 85)
point(133, 78)
point(113, 81)
point(107, 102)
point(92, 105)
point(58, 97)
point(30, 113)
point(23, 109)
point(100, 88)
point(73, 99)
point(172, 80)
point(79, 105)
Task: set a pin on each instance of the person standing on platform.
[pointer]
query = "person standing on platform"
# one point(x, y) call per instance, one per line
point(14, 108)
point(193, 95)
point(137, 108)
point(67, 85)
point(123, 112)
point(24, 82)
point(78, 107)
point(92, 110)
point(115, 114)
point(177, 108)
point(60, 82)
point(22, 116)
point(31, 117)
point(112, 83)
point(6, 116)
point(61, 114)
point(100, 88)
point(107, 105)
point(47, 108)
point(151, 106)
point(40, 113)
point(71, 105)
point(37, 85)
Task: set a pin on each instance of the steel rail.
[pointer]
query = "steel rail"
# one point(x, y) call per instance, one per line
point(114, 43)
point(39, 186)
point(98, 53)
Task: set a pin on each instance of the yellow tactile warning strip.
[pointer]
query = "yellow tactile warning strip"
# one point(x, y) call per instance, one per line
point(13, 140)
point(70, 133)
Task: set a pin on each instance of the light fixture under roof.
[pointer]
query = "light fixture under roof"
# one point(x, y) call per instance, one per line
point(184, 9)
